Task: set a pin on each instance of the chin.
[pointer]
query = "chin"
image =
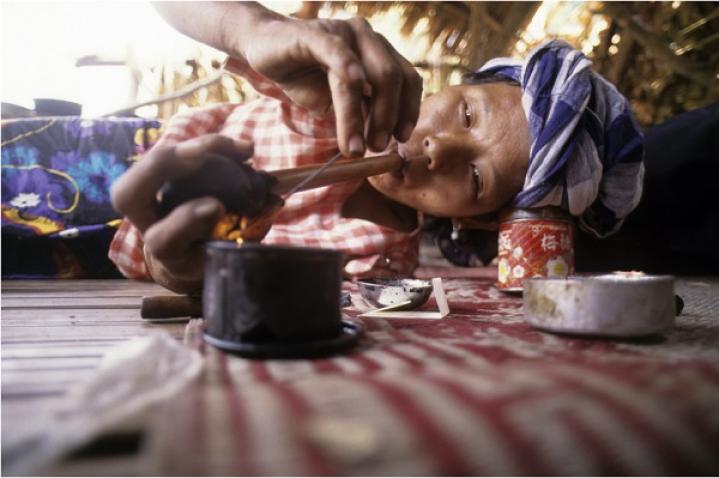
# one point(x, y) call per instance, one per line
point(384, 183)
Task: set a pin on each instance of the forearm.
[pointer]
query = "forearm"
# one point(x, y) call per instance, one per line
point(227, 26)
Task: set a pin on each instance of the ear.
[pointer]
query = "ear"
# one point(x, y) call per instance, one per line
point(488, 222)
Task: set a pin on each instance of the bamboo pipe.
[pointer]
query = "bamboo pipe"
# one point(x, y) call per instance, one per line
point(163, 307)
point(216, 179)
point(342, 170)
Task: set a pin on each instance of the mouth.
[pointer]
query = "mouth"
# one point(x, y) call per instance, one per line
point(407, 159)
point(408, 162)
point(399, 173)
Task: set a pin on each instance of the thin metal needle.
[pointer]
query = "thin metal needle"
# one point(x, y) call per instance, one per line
point(312, 176)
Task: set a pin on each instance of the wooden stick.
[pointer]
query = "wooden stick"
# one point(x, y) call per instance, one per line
point(170, 306)
point(342, 170)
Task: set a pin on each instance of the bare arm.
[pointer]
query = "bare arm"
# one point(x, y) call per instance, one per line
point(218, 24)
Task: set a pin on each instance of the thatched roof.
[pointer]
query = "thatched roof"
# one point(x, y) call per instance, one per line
point(662, 55)
point(476, 31)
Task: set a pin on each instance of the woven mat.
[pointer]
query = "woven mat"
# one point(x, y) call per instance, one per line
point(477, 393)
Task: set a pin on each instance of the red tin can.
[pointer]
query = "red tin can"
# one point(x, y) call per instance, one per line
point(534, 243)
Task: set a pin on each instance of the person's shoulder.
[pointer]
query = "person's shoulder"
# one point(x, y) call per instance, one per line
point(206, 118)
point(191, 122)
point(215, 112)
point(276, 115)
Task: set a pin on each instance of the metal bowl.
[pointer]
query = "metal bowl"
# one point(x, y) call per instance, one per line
point(388, 292)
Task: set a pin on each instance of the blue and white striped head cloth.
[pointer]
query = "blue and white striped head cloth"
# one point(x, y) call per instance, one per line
point(586, 149)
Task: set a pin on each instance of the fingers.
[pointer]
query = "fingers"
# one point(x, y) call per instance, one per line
point(409, 101)
point(353, 58)
point(396, 87)
point(349, 117)
point(346, 87)
point(385, 78)
point(134, 194)
point(175, 241)
point(346, 79)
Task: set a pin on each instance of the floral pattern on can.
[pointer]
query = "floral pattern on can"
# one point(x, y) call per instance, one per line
point(534, 243)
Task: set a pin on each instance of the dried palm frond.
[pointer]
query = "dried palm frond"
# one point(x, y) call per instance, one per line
point(664, 56)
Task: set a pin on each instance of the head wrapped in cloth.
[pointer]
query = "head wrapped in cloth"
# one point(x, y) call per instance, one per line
point(586, 150)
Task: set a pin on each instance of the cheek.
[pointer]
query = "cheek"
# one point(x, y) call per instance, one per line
point(442, 197)
point(388, 185)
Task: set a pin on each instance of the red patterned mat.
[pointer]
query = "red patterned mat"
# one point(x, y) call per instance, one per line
point(476, 393)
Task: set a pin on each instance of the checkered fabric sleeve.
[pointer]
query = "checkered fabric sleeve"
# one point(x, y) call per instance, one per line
point(287, 136)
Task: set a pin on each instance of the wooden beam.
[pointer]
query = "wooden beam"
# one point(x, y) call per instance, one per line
point(500, 43)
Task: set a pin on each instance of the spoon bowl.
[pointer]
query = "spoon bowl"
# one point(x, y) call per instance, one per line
point(389, 292)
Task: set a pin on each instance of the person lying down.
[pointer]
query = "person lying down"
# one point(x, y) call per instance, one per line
point(546, 131)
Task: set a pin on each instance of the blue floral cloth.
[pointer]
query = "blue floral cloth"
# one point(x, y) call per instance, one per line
point(57, 219)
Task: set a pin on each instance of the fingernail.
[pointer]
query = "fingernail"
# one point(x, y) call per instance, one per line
point(406, 132)
point(356, 145)
point(380, 140)
point(205, 209)
point(356, 72)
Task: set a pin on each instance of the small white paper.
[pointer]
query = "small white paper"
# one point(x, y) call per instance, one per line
point(439, 296)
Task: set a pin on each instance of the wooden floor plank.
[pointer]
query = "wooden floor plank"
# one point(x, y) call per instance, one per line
point(52, 352)
point(70, 313)
point(70, 342)
point(54, 336)
point(38, 363)
point(83, 322)
point(11, 377)
point(58, 344)
point(24, 390)
point(35, 315)
point(104, 332)
point(70, 286)
point(33, 302)
point(140, 292)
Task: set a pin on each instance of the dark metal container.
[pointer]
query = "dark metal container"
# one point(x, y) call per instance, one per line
point(271, 294)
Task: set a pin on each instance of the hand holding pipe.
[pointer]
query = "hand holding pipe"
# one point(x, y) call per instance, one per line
point(247, 192)
point(342, 170)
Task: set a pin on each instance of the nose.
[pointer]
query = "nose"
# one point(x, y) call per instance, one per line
point(440, 152)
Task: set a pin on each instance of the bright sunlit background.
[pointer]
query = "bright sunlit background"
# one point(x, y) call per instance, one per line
point(108, 55)
point(42, 42)
point(99, 54)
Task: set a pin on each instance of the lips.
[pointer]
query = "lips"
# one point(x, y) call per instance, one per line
point(399, 173)
point(402, 171)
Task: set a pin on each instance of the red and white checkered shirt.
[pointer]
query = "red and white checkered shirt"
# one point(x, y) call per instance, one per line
point(285, 136)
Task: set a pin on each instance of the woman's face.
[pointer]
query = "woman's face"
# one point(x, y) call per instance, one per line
point(475, 144)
